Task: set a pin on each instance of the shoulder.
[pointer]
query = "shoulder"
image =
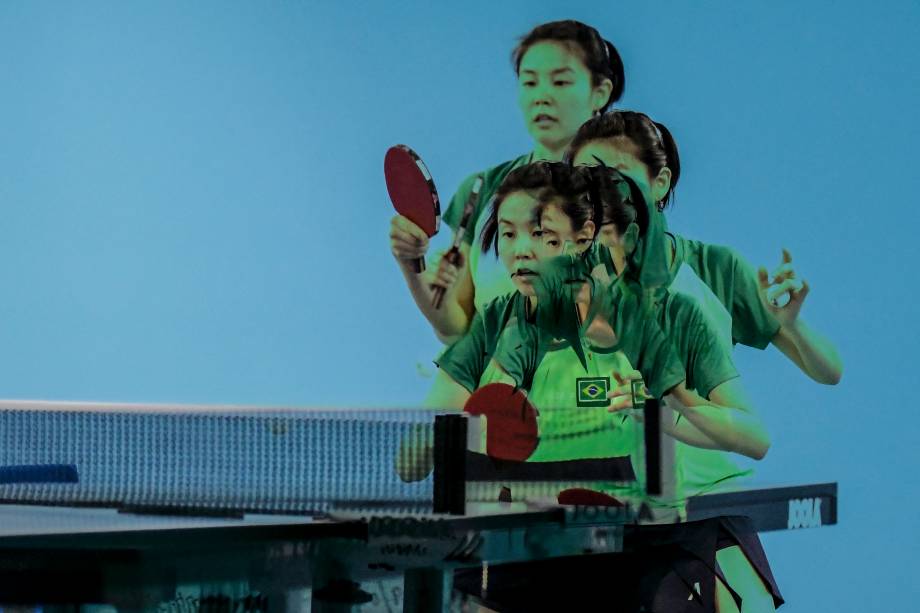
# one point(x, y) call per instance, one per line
point(497, 312)
point(708, 256)
point(681, 307)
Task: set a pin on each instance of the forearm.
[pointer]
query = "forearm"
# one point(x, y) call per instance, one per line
point(686, 432)
point(730, 428)
point(814, 354)
point(450, 321)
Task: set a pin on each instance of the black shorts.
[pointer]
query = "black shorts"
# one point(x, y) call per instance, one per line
point(663, 568)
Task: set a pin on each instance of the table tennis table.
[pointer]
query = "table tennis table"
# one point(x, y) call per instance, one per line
point(92, 543)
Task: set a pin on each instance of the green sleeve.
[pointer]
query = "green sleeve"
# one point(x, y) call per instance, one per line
point(734, 282)
point(491, 180)
point(454, 210)
point(466, 359)
point(646, 346)
point(707, 362)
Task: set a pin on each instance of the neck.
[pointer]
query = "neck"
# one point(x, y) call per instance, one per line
point(619, 259)
point(545, 153)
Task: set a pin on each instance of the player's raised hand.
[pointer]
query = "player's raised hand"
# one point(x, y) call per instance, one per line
point(629, 393)
point(408, 242)
point(783, 292)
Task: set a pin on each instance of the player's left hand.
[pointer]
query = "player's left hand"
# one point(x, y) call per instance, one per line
point(447, 273)
point(782, 292)
point(629, 391)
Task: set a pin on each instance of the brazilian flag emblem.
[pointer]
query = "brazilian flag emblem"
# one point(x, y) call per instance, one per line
point(592, 391)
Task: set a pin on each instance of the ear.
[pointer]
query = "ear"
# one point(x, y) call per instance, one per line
point(630, 239)
point(584, 236)
point(661, 184)
point(600, 95)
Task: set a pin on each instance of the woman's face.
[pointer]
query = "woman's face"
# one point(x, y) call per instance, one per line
point(555, 93)
point(620, 153)
point(518, 239)
point(558, 234)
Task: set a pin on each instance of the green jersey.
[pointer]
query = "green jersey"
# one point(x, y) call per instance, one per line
point(700, 329)
point(707, 359)
point(734, 282)
point(573, 422)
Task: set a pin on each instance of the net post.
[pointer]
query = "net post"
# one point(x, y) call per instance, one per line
point(652, 415)
point(659, 451)
point(450, 441)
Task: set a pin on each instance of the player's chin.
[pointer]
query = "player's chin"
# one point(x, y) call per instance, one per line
point(524, 285)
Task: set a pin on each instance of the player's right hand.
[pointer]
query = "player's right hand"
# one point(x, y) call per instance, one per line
point(408, 242)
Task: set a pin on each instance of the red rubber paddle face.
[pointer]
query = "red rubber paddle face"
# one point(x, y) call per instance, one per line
point(511, 421)
point(411, 188)
point(583, 497)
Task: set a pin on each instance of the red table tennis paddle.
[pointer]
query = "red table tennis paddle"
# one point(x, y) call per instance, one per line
point(412, 191)
point(511, 421)
point(453, 254)
point(585, 497)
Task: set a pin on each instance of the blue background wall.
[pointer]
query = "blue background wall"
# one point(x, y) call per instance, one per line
point(193, 210)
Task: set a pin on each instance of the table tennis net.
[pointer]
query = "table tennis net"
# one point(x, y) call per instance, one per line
point(244, 460)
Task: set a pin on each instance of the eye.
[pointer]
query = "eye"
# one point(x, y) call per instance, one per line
point(508, 234)
point(561, 83)
point(530, 83)
point(537, 233)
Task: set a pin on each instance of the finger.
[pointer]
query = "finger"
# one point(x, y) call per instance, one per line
point(787, 286)
point(763, 277)
point(407, 226)
point(446, 278)
point(787, 257)
point(783, 272)
point(409, 241)
point(804, 291)
point(620, 404)
point(406, 251)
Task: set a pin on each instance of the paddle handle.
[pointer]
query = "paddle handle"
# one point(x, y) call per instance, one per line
point(451, 257)
point(417, 265)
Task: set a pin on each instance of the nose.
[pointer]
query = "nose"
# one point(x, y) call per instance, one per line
point(541, 94)
point(523, 248)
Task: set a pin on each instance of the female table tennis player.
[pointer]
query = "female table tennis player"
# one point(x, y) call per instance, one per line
point(566, 73)
point(479, 357)
point(485, 354)
point(730, 290)
point(633, 231)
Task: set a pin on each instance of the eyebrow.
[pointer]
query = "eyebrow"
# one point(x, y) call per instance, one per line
point(555, 71)
point(511, 223)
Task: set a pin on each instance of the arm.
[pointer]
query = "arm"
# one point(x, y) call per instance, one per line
point(727, 418)
point(415, 459)
point(681, 429)
point(814, 354)
point(409, 242)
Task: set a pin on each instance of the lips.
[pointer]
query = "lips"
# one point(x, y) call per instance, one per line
point(524, 273)
point(543, 118)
